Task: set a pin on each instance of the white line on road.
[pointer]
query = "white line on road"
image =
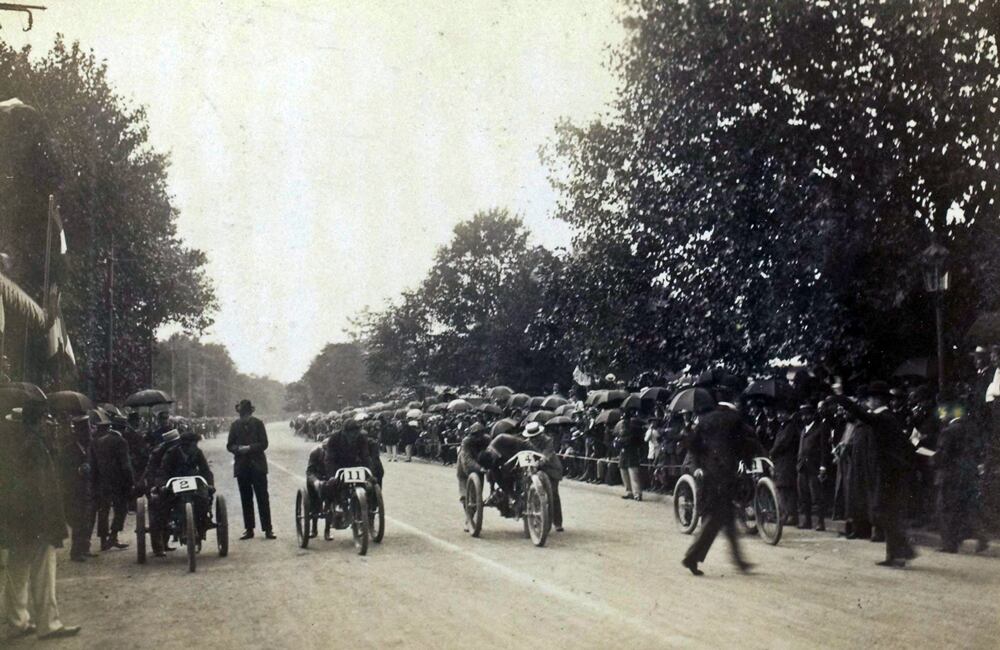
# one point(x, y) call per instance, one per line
point(596, 606)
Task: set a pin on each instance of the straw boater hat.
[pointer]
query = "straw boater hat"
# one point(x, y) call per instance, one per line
point(532, 430)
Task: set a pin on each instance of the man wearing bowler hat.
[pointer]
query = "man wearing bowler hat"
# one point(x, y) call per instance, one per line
point(247, 443)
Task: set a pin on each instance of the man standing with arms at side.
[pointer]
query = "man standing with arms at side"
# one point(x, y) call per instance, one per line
point(718, 441)
point(247, 443)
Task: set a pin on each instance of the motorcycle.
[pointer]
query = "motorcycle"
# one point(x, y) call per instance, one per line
point(180, 523)
point(530, 500)
point(358, 504)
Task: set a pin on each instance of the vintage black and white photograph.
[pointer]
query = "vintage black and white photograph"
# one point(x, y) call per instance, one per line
point(559, 324)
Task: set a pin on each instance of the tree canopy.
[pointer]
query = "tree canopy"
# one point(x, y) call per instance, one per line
point(111, 185)
point(769, 176)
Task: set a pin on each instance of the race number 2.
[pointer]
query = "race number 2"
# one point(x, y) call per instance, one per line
point(185, 484)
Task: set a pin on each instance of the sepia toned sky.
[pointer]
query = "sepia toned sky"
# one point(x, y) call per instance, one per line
point(322, 149)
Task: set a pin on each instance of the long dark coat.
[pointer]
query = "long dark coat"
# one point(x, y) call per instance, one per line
point(785, 454)
point(857, 474)
point(248, 432)
point(112, 471)
point(74, 464)
point(31, 507)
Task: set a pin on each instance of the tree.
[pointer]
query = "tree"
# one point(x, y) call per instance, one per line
point(771, 173)
point(470, 321)
point(112, 189)
point(337, 378)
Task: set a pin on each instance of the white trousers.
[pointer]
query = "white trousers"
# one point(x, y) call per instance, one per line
point(29, 594)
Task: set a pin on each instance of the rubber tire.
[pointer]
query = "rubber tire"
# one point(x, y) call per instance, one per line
point(539, 488)
point(140, 530)
point(377, 532)
point(222, 525)
point(689, 487)
point(359, 520)
point(766, 490)
point(190, 536)
point(474, 498)
point(303, 518)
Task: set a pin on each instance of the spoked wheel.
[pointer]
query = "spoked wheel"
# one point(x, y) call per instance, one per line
point(768, 511)
point(474, 503)
point(303, 517)
point(537, 511)
point(376, 516)
point(359, 520)
point(190, 535)
point(140, 530)
point(686, 504)
point(222, 526)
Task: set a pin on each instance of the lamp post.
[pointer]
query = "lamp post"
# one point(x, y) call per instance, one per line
point(937, 280)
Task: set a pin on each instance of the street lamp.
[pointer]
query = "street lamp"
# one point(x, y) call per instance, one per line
point(937, 280)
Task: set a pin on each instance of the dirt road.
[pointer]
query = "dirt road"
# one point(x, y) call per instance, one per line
point(612, 578)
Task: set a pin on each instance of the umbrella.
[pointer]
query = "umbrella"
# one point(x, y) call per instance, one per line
point(658, 393)
point(112, 410)
point(536, 403)
point(492, 409)
point(500, 393)
point(415, 404)
point(566, 409)
point(608, 398)
point(413, 413)
point(769, 389)
point(632, 402)
point(540, 416)
point(69, 402)
point(18, 394)
point(923, 367)
point(552, 402)
point(503, 426)
point(559, 420)
point(148, 397)
point(694, 400)
point(459, 406)
point(608, 417)
point(518, 400)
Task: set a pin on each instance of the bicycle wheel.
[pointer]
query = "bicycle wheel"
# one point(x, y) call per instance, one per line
point(474, 503)
point(359, 520)
point(768, 511)
point(686, 504)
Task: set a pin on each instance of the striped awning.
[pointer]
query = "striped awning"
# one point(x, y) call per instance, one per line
point(17, 301)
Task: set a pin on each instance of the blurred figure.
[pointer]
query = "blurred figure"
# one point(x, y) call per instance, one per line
point(34, 526)
point(75, 474)
point(112, 479)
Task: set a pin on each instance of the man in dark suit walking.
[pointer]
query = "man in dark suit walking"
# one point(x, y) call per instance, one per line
point(717, 443)
point(247, 443)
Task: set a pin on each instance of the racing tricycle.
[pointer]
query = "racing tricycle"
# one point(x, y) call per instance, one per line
point(530, 501)
point(181, 495)
point(358, 504)
point(757, 507)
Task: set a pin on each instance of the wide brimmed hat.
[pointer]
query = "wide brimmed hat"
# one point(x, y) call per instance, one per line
point(243, 405)
point(171, 435)
point(532, 430)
